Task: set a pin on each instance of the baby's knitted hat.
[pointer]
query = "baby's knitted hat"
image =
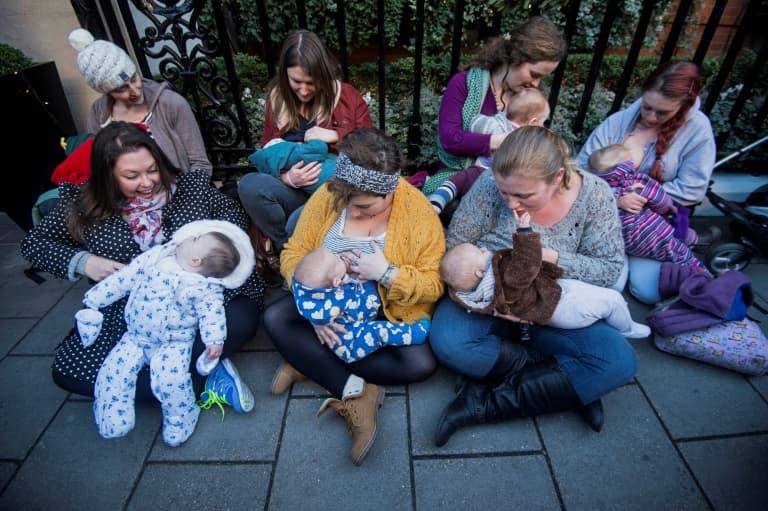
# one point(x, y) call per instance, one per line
point(104, 65)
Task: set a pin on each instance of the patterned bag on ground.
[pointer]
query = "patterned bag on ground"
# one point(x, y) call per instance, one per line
point(737, 345)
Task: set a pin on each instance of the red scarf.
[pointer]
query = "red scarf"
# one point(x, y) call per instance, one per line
point(145, 217)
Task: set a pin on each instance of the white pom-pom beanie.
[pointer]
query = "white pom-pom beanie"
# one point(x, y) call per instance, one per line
point(104, 65)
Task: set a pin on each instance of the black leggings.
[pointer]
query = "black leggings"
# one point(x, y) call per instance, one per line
point(296, 341)
point(243, 318)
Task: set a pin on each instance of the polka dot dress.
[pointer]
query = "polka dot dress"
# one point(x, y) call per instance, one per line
point(51, 248)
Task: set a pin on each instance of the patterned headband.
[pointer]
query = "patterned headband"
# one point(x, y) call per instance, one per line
point(371, 181)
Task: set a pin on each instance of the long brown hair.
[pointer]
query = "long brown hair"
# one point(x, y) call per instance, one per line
point(677, 81)
point(535, 40)
point(100, 198)
point(304, 49)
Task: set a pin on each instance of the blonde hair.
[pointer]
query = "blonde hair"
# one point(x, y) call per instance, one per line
point(537, 152)
point(455, 270)
point(608, 157)
point(314, 269)
point(526, 105)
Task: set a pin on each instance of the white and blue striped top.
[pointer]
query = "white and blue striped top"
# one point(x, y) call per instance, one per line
point(337, 242)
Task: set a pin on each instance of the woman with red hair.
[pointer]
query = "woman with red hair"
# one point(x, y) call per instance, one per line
point(670, 139)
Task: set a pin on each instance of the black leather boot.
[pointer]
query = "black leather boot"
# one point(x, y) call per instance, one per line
point(513, 356)
point(593, 414)
point(466, 408)
point(536, 389)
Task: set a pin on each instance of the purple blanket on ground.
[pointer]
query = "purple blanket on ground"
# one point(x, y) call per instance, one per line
point(704, 300)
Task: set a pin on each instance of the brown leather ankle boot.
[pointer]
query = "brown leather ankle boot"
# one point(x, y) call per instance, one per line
point(361, 414)
point(285, 376)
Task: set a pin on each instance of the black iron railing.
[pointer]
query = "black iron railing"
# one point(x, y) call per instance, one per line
point(169, 36)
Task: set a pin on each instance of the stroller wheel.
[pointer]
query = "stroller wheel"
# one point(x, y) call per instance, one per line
point(728, 256)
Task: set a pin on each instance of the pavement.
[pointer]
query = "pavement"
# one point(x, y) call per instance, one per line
point(680, 435)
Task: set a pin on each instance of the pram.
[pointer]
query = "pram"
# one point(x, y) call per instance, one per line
point(749, 224)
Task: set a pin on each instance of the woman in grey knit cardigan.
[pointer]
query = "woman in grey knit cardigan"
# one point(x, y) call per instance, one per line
point(575, 214)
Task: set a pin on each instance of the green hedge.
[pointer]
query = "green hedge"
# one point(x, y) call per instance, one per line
point(399, 85)
point(12, 60)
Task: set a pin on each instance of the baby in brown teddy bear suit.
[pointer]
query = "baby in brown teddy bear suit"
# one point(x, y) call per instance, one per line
point(516, 282)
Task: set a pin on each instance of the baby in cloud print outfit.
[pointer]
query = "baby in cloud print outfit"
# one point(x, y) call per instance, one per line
point(173, 288)
point(324, 293)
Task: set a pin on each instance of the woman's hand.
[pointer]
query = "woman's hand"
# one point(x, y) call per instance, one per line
point(329, 334)
point(98, 268)
point(367, 266)
point(549, 255)
point(510, 317)
point(497, 139)
point(632, 202)
point(214, 350)
point(300, 175)
point(318, 133)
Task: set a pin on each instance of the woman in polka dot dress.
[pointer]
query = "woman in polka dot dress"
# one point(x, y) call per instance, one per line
point(134, 200)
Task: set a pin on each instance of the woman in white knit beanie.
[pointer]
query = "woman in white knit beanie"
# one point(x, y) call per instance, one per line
point(108, 69)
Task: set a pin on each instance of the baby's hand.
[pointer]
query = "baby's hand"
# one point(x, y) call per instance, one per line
point(522, 218)
point(214, 350)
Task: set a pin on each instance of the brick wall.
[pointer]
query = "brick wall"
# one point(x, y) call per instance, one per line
point(697, 21)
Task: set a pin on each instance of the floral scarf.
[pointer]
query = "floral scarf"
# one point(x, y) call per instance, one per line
point(144, 216)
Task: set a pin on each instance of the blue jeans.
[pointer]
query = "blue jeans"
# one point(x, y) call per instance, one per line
point(644, 277)
point(596, 359)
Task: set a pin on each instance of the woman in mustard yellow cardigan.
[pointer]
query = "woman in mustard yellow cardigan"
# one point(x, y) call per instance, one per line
point(385, 230)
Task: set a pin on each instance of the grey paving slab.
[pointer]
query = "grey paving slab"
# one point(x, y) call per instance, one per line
point(28, 400)
point(11, 332)
point(504, 482)
point(10, 233)
point(314, 471)
point(20, 297)
point(631, 464)
point(761, 384)
point(48, 333)
point(427, 401)
point(7, 469)
point(696, 399)
point(238, 437)
point(72, 467)
point(260, 342)
point(201, 487)
point(758, 271)
point(732, 471)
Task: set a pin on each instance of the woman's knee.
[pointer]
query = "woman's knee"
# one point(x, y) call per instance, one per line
point(644, 277)
point(252, 188)
point(597, 358)
point(621, 359)
point(70, 384)
point(278, 318)
point(461, 341)
point(613, 358)
point(421, 363)
point(243, 320)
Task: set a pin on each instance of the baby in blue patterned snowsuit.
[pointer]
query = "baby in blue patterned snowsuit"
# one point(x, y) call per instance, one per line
point(324, 293)
point(173, 288)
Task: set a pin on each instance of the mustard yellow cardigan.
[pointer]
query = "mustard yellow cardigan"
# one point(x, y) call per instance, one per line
point(414, 243)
